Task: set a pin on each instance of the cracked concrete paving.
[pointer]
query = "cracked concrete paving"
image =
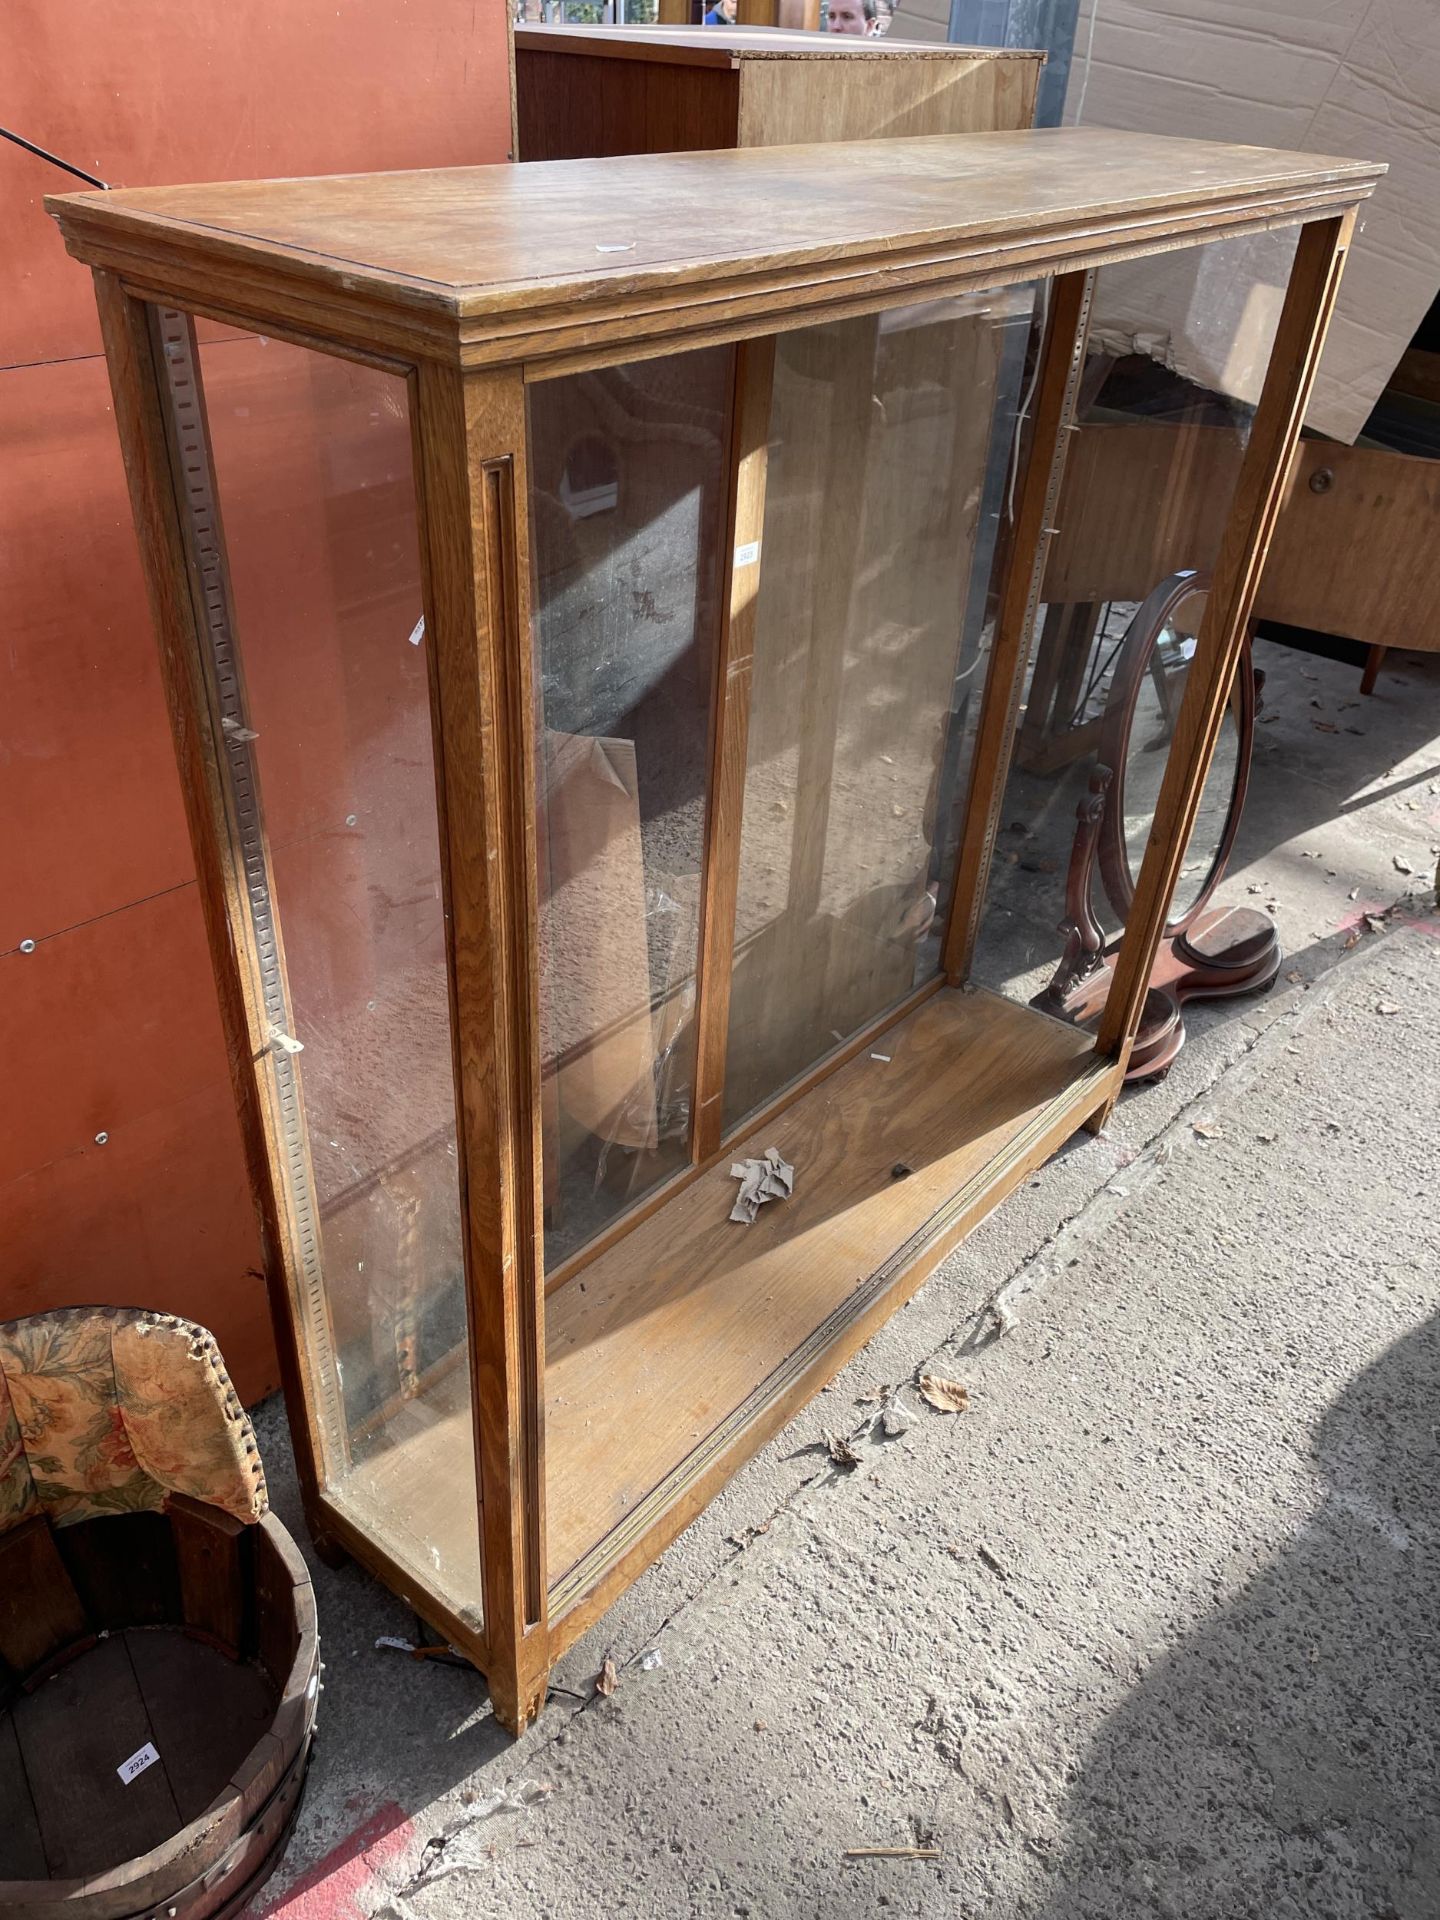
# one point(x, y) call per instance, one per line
point(1151, 1628)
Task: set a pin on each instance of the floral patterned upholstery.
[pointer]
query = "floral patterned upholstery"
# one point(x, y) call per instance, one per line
point(109, 1409)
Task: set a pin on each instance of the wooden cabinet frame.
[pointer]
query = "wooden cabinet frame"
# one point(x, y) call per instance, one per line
point(324, 264)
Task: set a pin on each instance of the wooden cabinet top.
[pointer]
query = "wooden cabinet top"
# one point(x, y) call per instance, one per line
point(493, 265)
point(728, 46)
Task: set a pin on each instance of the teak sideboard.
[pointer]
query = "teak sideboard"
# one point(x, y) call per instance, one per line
point(595, 600)
point(585, 91)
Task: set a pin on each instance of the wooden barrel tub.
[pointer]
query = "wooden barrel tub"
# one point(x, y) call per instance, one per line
point(159, 1660)
point(180, 1634)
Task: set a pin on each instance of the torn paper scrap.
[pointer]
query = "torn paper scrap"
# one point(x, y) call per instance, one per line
point(770, 1178)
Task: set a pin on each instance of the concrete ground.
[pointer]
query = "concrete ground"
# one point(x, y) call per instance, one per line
point(1153, 1627)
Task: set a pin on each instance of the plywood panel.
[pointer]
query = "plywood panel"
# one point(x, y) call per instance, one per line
point(134, 1050)
point(88, 783)
point(86, 780)
point(204, 93)
point(158, 1217)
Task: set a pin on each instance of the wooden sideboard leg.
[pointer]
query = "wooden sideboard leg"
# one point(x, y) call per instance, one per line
point(1374, 660)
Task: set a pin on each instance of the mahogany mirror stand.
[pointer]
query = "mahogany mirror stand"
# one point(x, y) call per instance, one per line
point(1206, 952)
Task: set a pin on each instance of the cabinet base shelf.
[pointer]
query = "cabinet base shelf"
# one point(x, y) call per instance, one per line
point(676, 1353)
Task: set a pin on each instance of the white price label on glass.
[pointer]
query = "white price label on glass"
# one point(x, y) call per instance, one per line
point(137, 1763)
point(747, 555)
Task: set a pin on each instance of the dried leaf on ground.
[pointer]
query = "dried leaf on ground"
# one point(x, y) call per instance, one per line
point(1295, 977)
point(606, 1680)
point(1352, 939)
point(1207, 1129)
point(946, 1396)
point(1401, 864)
point(842, 1454)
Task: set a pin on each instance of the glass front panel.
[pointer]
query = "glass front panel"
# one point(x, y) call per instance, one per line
point(628, 514)
point(889, 445)
point(1178, 349)
point(318, 659)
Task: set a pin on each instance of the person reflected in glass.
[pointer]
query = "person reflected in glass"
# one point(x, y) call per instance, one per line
point(862, 18)
point(722, 14)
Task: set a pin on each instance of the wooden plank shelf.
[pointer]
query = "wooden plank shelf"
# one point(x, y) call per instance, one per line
point(674, 1345)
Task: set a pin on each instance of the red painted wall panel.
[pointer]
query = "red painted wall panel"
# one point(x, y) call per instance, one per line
point(109, 1025)
point(158, 91)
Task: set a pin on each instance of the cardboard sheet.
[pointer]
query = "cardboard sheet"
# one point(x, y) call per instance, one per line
point(1355, 77)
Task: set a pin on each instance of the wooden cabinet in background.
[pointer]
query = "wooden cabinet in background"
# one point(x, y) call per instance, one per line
point(582, 92)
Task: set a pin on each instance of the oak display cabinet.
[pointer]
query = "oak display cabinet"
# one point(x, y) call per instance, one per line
point(595, 599)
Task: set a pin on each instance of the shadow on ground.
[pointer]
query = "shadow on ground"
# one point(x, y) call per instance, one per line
point(1281, 1762)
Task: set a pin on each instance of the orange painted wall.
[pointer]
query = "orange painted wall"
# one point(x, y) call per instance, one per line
point(109, 1025)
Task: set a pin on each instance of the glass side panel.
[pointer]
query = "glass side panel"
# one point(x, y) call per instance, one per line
point(890, 440)
point(628, 515)
point(319, 663)
point(1179, 344)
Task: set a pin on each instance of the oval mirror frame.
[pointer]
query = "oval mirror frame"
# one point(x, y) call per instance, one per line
point(1147, 624)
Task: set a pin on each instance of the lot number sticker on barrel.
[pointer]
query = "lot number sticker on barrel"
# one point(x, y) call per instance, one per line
point(137, 1763)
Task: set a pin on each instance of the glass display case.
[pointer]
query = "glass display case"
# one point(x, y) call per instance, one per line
point(596, 603)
